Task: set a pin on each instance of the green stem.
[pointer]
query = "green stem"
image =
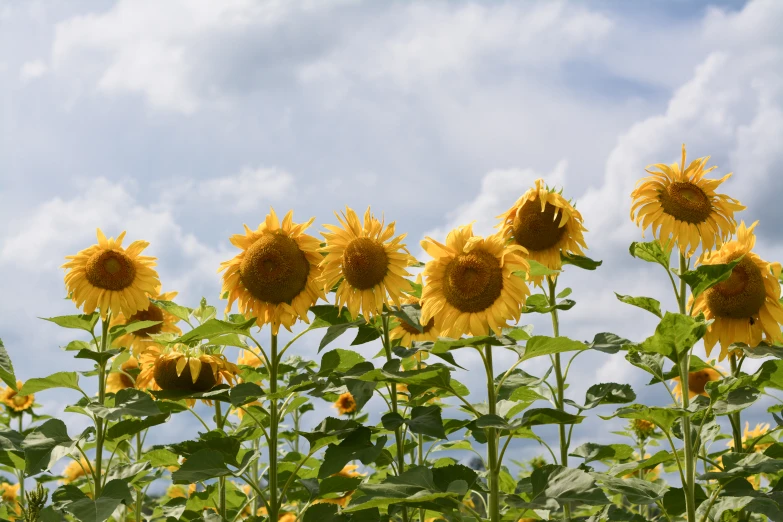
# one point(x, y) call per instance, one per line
point(220, 422)
point(20, 474)
point(139, 492)
point(99, 427)
point(492, 441)
point(736, 424)
point(399, 440)
point(256, 500)
point(560, 385)
point(684, 368)
point(274, 501)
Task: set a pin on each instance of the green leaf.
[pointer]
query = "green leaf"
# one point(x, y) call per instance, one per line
point(339, 361)
point(582, 262)
point(745, 504)
point(114, 493)
point(202, 465)
point(609, 343)
point(123, 430)
point(129, 401)
point(553, 486)
point(736, 400)
point(592, 452)
point(214, 328)
point(651, 252)
point(707, 276)
point(245, 392)
point(328, 315)
point(675, 335)
point(539, 416)
point(338, 484)
point(636, 491)
point(662, 417)
point(56, 380)
point(660, 457)
point(649, 362)
point(39, 444)
point(79, 322)
point(744, 465)
point(542, 345)
point(645, 303)
point(7, 368)
point(606, 393)
point(98, 357)
point(433, 376)
point(427, 420)
point(180, 312)
point(410, 314)
point(356, 446)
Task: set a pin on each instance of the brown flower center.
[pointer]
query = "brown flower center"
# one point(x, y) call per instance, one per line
point(274, 269)
point(365, 263)
point(153, 313)
point(686, 202)
point(346, 403)
point(410, 329)
point(536, 230)
point(698, 380)
point(741, 296)
point(167, 378)
point(110, 270)
point(473, 281)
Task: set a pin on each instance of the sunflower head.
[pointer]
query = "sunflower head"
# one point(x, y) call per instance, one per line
point(546, 225)
point(368, 262)
point(349, 471)
point(682, 206)
point(183, 368)
point(140, 339)
point(9, 492)
point(407, 333)
point(123, 378)
point(274, 276)
point(111, 278)
point(750, 434)
point(643, 429)
point(745, 308)
point(345, 403)
point(75, 470)
point(697, 381)
point(250, 357)
point(470, 283)
point(16, 403)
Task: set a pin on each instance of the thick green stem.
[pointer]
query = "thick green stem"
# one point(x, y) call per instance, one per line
point(398, 438)
point(736, 424)
point(20, 474)
point(256, 470)
point(274, 501)
point(559, 400)
point(139, 491)
point(220, 422)
point(99, 427)
point(684, 369)
point(492, 441)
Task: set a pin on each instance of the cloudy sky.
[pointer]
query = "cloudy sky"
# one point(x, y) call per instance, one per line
point(179, 121)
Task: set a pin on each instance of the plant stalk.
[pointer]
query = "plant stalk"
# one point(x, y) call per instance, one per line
point(140, 491)
point(559, 401)
point(220, 422)
point(398, 438)
point(274, 501)
point(684, 369)
point(99, 433)
point(20, 474)
point(736, 424)
point(492, 441)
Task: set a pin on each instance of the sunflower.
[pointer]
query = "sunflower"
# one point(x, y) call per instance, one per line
point(75, 470)
point(274, 276)
point(697, 380)
point(750, 434)
point(349, 471)
point(682, 206)
point(643, 429)
point(180, 367)
point(9, 492)
point(533, 223)
point(649, 474)
point(470, 283)
point(15, 402)
point(139, 339)
point(250, 357)
point(345, 404)
point(175, 491)
point(407, 333)
point(121, 380)
point(370, 263)
point(744, 308)
point(111, 278)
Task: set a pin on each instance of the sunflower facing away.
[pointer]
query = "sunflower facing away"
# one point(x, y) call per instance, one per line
point(546, 224)
point(15, 402)
point(368, 259)
point(121, 380)
point(180, 367)
point(138, 340)
point(75, 470)
point(745, 307)
point(274, 277)
point(697, 381)
point(109, 277)
point(681, 205)
point(345, 403)
point(470, 286)
point(407, 333)
point(751, 434)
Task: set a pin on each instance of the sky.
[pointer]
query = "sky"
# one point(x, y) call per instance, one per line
point(180, 121)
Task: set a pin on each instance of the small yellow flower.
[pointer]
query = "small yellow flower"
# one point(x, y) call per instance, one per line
point(75, 470)
point(9, 492)
point(117, 381)
point(642, 428)
point(750, 434)
point(345, 403)
point(15, 402)
point(696, 382)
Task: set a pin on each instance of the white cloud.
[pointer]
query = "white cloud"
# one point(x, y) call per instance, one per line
point(32, 70)
point(247, 189)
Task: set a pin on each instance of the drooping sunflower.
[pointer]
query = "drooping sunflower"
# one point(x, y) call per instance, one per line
point(180, 367)
point(75, 470)
point(745, 308)
point(109, 277)
point(407, 333)
point(546, 224)
point(470, 283)
point(345, 403)
point(682, 206)
point(274, 276)
point(121, 380)
point(697, 381)
point(750, 434)
point(368, 259)
point(138, 340)
point(15, 402)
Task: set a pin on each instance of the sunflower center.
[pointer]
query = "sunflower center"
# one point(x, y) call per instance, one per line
point(19, 399)
point(697, 381)
point(365, 263)
point(110, 270)
point(410, 329)
point(686, 202)
point(153, 313)
point(473, 281)
point(274, 269)
point(741, 296)
point(536, 230)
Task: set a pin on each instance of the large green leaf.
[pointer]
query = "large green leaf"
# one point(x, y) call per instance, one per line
point(609, 343)
point(645, 303)
point(636, 491)
point(39, 444)
point(7, 368)
point(540, 416)
point(539, 345)
point(591, 451)
point(582, 262)
point(553, 486)
point(744, 504)
point(56, 380)
point(129, 401)
point(214, 328)
point(707, 276)
point(427, 420)
point(338, 361)
point(180, 312)
point(79, 322)
point(652, 252)
point(675, 335)
point(114, 493)
point(606, 393)
point(202, 465)
point(357, 445)
point(744, 465)
point(124, 429)
point(664, 418)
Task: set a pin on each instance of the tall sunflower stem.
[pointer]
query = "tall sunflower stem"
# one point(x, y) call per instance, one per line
point(559, 401)
point(20, 474)
point(220, 421)
point(274, 501)
point(684, 370)
point(139, 491)
point(492, 441)
point(398, 438)
point(736, 424)
point(99, 431)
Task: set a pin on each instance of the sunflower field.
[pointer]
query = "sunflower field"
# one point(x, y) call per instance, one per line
point(399, 440)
